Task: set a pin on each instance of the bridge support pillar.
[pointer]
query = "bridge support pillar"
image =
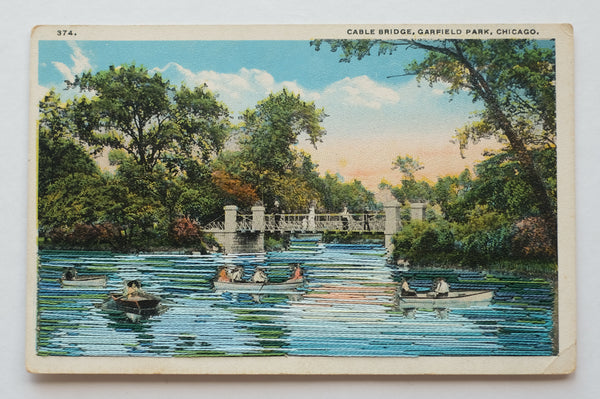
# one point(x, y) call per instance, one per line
point(230, 218)
point(227, 238)
point(258, 218)
point(393, 224)
point(417, 211)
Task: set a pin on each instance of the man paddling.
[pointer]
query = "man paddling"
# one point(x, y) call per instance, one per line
point(405, 289)
point(441, 289)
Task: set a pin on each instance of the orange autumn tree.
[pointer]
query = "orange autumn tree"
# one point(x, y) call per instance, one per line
point(234, 188)
point(185, 231)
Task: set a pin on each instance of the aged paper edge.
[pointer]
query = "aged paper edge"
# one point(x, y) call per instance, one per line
point(563, 363)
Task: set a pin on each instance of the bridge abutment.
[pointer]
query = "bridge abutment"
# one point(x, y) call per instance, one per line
point(393, 224)
point(234, 241)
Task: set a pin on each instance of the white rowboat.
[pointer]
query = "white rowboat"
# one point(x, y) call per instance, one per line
point(455, 299)
point(257, 288)
point(84, 281)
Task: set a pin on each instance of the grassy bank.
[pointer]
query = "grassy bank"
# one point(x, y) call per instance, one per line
point(546, 270)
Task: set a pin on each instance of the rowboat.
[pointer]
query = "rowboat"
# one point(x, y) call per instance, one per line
point(256, 288)
point(455, 299)
point(84, 281)
point(136, 302)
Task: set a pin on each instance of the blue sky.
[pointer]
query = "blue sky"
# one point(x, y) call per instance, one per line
point(284, 60)
point(372, 118)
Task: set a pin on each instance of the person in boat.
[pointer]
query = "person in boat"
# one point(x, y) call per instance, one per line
point(405, 289)
point(222, 275)
point(132, 287)
point(70, 274)
point(442, 288)
point(297, 273)
point(259, 276)
point(237, 274)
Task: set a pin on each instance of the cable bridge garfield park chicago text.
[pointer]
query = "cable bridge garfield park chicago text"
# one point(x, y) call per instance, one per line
point(243, 233)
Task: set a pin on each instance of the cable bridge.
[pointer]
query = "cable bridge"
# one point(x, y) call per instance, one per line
point(244, 233)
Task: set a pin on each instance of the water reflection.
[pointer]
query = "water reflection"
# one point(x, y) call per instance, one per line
point(347, 307)
point(263, 317)
point(259, 298)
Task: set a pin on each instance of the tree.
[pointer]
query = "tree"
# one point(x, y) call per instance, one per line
point(336, 194)
point(234, 189)
point(270, 132)
point(59, 155)
point(144, 115)
point(515, 80)
point(407, 166)
point(410, 190)
point(449, 193)
point(67, 176)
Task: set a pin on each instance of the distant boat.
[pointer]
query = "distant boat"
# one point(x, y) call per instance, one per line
point(136, 303)
point(84, 281)
point(455, 299)
point(257, 288)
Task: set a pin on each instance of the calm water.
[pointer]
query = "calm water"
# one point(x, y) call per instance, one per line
point(346, 309)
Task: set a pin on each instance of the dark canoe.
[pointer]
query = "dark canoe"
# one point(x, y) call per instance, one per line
point(136, 302)
point(256, 288)
point(454, 299)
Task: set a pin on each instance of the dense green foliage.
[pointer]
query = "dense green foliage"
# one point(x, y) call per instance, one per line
point(176, 159)
point(508, 209)
point(513, 79)
point(169, 173)
point(480, 220)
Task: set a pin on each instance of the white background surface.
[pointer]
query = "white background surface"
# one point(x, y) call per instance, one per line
point(17, 20)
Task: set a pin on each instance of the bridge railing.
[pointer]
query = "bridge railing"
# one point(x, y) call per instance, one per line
point(355, 222)
point(215, 225)
point(244, 222)
point(324, 222)
point(302, 222)
point(285, 222)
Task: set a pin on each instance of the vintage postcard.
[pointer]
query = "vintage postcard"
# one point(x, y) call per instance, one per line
point(339, 199)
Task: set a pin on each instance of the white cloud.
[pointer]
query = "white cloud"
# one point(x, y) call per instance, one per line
point(81, 63)
point(64, 70)
point(361, 91)
point(240, 90)
point(355, 105)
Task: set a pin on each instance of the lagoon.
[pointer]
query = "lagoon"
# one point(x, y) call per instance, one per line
point(346, 308)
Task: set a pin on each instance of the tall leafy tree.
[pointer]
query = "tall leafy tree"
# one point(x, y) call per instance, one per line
point(335, 194)
point(60, 155)
point(408, 166)
point(410, 190)
point(131, 109)
point(67, 175)
point(514, 79)
point(270, 132)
